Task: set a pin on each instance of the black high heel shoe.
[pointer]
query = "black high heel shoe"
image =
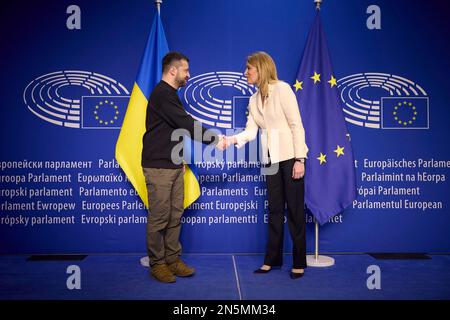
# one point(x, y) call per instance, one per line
point(296, 275)
point(259, 270)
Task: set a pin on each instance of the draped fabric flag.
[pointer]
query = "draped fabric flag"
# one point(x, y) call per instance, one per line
point(129, 143)
point(330, 184)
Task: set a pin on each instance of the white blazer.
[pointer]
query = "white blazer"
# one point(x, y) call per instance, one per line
point(283, 135)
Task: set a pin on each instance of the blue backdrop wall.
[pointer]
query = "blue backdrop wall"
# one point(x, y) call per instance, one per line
point(62, 192)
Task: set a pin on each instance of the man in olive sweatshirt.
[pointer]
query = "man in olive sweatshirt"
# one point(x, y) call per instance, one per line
point(164, 178)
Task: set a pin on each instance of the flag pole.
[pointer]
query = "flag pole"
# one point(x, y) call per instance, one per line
point(316, 260)
point(158, 5)
point(145, 261)
point(318, 3)
point(316, 242)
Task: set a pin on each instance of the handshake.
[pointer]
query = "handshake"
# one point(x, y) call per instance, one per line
point(225, 142)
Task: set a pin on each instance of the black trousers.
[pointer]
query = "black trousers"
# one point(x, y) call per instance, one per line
point(281, 189)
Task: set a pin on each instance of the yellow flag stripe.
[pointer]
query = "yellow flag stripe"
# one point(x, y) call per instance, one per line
point(129, 150)
point(129, 143)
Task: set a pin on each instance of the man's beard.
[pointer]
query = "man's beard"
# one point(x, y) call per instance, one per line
point(181, 82)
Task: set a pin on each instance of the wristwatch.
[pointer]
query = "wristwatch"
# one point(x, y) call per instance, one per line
point(302, 160)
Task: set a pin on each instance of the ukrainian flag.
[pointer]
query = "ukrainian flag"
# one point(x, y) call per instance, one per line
point(129, 143)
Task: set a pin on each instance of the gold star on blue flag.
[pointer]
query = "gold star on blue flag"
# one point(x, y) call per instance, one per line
point(330, 185)
point(103, 112)
point(404, 112)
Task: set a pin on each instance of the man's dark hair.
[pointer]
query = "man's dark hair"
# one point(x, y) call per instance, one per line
point(170, 58)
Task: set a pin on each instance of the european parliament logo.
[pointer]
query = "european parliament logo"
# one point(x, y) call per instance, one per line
point(240, 113)
point(384, 101)
point(219, 99)
point(404, 113)
point(103, 112)
point(77, 99)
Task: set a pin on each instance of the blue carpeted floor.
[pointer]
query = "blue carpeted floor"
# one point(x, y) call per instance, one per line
point(225, 277)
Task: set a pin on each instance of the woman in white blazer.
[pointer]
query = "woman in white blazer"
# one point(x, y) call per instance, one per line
point(274, 109)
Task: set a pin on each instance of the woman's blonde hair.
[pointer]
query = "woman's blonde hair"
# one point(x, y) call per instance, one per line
point(266, 69)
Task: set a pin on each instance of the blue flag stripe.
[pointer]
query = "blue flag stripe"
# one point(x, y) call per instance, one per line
point(150, 70)
point(330, 175)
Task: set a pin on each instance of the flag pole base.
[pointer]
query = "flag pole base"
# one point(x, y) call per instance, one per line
point(321, 261)
point(145, 262)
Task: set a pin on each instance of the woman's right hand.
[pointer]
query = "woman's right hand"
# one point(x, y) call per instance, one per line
point(225, 142)
point(231, 140)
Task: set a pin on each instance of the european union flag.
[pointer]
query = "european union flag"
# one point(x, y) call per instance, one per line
point(103, 112)
point(330, 184)
point(404, 112)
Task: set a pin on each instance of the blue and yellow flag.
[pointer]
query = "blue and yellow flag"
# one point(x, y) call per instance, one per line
point(404, 112)
point(330, 184)
point(129, 143)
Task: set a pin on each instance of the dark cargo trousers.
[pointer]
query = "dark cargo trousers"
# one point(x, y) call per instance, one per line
point(165, 189)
